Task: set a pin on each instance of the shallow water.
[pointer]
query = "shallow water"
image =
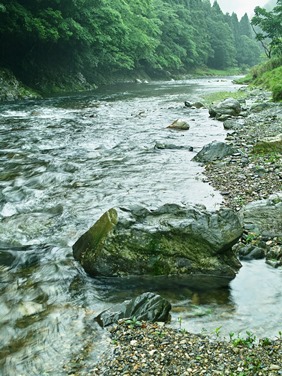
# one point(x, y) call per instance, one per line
point(64, 161)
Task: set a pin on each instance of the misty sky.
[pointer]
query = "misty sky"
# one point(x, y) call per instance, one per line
point(240, 7)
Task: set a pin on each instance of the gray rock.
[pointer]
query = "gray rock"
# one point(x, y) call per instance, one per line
point(251, 252)
point(198, 105)
point(171, 240)
point(274, 256)
point(231, 124)
point(159, 145)
point(145, 307)
point(264, 217)
point(214, 151)
point(258, 107)
point(229, 107)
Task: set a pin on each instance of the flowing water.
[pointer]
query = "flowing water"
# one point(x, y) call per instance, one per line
point(64, 161)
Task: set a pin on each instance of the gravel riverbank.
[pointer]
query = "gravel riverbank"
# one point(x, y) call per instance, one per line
point(247, 176)
point(154, 349)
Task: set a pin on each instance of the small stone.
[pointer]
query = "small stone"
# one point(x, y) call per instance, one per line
point(152, 352)
point(274, 367)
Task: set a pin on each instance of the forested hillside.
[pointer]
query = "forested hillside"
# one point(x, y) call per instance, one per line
point(43, 39)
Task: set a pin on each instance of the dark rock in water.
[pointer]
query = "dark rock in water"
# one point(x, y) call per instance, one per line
point(194, 104)
point(171, 240)
point(229, 107)
point(159, 145)
point(6, 258)
point(198, 105)
point(145, 307)
point(274, 256)
point(251, 252)
point(214, 151)
point(188, 104)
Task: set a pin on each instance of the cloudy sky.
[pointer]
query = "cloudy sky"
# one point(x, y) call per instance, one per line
point(240, 7)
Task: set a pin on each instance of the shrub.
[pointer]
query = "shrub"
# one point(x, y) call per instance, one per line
point(277, 93)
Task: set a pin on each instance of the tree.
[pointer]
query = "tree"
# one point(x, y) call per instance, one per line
point(245, 26)
point(269, 29)
point(41, 38)
point(221, 40)
point(248, 51)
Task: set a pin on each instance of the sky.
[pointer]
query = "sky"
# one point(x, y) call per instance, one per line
point(240, 7)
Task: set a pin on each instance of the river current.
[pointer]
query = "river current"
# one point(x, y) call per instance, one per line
point(64, 161)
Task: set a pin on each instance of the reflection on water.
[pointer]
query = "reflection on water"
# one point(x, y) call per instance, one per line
point(64, 161)
point(253, 303)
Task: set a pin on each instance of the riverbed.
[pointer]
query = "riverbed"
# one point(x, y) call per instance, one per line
point(67, 159)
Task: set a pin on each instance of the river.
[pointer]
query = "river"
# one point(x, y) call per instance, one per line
point(64, 161)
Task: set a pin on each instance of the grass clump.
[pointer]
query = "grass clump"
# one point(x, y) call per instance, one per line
point(268, 76)
point(277, 92)
point(272, 150)
point(221, 95)
point(205, 71)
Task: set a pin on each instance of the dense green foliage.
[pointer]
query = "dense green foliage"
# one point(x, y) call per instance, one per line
point(270, 29)
point(102, 37)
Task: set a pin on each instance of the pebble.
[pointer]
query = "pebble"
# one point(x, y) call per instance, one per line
point(185, 353)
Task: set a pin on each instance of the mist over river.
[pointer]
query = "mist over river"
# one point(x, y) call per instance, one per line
point(64, 161)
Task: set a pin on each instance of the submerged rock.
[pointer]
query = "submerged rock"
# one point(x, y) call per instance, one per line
point(160, 145)
point(171, 240)
point(214, 151)
point(145, 307)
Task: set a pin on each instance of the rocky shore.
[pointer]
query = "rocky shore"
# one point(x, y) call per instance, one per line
point(142, 348)
point(254, 171)
point(154, 349)
point(247, 176)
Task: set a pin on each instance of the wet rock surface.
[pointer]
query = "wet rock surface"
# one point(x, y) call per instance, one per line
point(214, 151)
point(169, 240)
point(145, 307)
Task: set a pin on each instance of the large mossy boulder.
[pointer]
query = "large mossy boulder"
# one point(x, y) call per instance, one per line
point(171, 240)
